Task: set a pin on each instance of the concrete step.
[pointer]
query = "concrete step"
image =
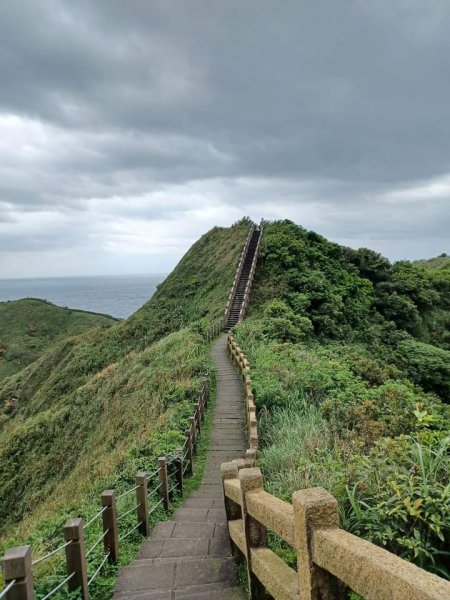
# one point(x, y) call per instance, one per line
point(200, 592)
point(184, 548)
point(152, 574)
point(199, 515)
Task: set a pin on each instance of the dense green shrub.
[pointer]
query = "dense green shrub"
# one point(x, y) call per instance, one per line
point(426, 365)
point(341, 406)
point(336, 417)
point(283, 324)
point(400, 498)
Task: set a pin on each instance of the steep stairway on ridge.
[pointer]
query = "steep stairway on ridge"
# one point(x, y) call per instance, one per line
point(238, 296)
point(189, 557)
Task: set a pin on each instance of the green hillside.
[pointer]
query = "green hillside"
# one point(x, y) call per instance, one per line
point(439, 263)
point(351, 394)
point(350, 359)
point(30, 326)
point(92, 408)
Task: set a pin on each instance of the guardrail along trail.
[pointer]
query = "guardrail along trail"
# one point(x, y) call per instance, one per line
point(189, 556)
point(328, 558)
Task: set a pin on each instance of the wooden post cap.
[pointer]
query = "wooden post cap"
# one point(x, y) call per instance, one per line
point(108, 497)
point(73, 529)
point(16, 562)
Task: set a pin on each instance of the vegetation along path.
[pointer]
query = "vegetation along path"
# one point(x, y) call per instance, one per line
point(189, 556)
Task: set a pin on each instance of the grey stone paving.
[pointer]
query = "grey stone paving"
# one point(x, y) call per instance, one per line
point(188, 557)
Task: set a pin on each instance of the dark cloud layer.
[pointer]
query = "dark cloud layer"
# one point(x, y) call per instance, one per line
point(121, 120)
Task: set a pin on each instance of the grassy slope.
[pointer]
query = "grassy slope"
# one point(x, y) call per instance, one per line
point(336, 405)
point(439, 263)
point(29, 326)
point(96, 406)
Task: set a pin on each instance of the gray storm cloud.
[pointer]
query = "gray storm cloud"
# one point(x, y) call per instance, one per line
point(128, 128)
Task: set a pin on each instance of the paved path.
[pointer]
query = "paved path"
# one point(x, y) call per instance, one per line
point(188, 557)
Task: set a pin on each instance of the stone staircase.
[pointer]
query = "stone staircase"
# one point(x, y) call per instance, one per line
point(239, 293)
point(189, 557)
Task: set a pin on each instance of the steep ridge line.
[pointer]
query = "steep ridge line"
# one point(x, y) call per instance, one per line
point(189, 557)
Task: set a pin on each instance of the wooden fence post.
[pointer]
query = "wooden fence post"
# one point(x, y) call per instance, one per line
point(190, 451)
point(206, 394)
point(142, 502)
point(109, 516)
point(163, 477)
point(314, 508)
point(198, 415)
point(76, 557)
point(193, 427)
point(255, 533)
point(17, 566)
point(179, 463)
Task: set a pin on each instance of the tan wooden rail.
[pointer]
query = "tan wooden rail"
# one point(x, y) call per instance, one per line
point(328, 558)
point(151, 492)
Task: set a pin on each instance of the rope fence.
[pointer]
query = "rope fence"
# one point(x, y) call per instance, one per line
point(39, 560)
point(7, 588)
point(152, 492)
point(58, 587)
point(95, 517)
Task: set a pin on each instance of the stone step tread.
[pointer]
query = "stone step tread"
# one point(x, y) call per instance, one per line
point(199, 514)
point(204, 592)
point(176, 573)
point(185, 547)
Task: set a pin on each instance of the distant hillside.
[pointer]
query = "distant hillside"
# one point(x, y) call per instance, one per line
point(30, 326)
point(90, 409)
point(439, 263)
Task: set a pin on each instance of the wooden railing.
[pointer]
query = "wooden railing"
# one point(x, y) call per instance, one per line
point(328, 558)
point(248, 287)
point(214, 330)
point(152, 492)
point(238, 272)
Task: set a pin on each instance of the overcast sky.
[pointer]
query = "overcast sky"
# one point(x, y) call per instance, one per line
point(128, 128)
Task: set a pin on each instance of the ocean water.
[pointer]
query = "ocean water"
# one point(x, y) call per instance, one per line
point(119, 295)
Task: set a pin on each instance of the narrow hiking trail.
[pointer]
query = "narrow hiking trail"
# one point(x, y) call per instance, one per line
point(189, 557)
